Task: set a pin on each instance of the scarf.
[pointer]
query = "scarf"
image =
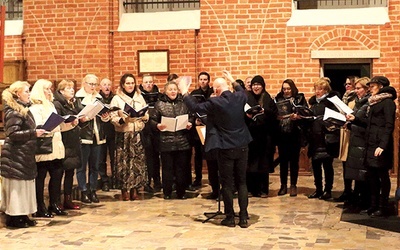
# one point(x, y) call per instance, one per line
point(377, 99)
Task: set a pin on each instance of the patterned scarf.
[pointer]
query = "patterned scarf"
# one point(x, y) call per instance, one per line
point(377, 99)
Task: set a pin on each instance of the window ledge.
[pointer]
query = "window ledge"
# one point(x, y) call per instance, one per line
point(13, 27)
point(324, 17)
point(170, 20)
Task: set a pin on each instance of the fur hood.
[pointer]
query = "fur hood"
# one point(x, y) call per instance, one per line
point(14, 104)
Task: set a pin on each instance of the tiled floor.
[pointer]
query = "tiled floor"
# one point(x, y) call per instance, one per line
point(154, 223)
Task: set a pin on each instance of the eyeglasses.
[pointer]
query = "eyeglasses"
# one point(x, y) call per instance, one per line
point(93, 84)
point(347, 83)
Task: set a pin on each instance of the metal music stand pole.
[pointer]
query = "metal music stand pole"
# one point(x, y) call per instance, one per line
point(212, 215)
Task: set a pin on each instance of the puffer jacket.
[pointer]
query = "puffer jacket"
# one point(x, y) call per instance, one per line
point(18, 152)
point(355, 168)
point(70, 134)
point(322, 137)
point(40, 114)
point(137, 102)
point(92, 131)
point(171, 141)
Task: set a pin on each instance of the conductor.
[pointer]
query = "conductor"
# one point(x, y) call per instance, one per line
point(227, 132)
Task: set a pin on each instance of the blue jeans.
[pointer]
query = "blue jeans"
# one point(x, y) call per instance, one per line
point(91, 156)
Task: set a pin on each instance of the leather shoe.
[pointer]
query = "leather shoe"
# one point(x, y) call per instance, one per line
point(369, 211)
point(105, 187)
point(229, 222)
point(54, 208)
point(124, 195)
point(85, 197)
point(28, 221)
point(196, 184)
point(243, 223)
point(326, 195)
point(316, 194)
point(283, 190)
point(343, 197)
point(93, 197)
point(379, 213)
point(167, 197)
point(16, 222)
point(293, 190)
point(68, 204)
point(181, 197)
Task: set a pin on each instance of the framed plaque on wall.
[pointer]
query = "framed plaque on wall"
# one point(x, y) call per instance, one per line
point(153, 62)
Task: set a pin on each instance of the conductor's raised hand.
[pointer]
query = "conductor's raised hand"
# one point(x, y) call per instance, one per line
point(183, 85)
point(228, 76)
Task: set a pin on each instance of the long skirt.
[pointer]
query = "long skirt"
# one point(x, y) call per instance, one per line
point(18, 197)
point(131, 169)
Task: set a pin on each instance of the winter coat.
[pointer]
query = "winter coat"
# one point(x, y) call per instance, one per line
point(137, 102)
point(18, 152)
point(380, 125)
point(108, 127)
point(355, 168)
point(92, 131)
point(264, 132)
point(323, 138)
point(148, 133)
point(41, 113)
point(171, 141)
point(70, 134)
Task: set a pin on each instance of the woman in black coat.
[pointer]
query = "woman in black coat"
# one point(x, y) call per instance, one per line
point(66, 104)
point(355, 168)
point(379, 142)
point(18, 165)
point(174, 146)
point(323, 140)
point(263, 127)
point(289, 142)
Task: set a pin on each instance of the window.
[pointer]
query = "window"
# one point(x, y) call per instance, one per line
point(13, 9)
point(140, 6)
point(338, 4)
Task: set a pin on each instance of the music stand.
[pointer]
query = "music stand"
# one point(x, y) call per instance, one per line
point(212, 215)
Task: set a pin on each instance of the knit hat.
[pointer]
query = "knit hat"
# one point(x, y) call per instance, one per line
point(258, 79)
point(379, 80)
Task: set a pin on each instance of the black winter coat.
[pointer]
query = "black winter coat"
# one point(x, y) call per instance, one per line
point(355, 168)
point(322, 137)
point(263, 130)
point(380, 125)
point(71, 138)
point(171, 141)
point(18, 152)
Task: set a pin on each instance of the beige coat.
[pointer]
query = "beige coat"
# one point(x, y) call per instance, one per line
point(131, 124)
point(345, 138)
point(40, 114)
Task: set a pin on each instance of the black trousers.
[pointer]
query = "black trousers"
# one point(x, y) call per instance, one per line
point(289, 154)
point(68, 181)
point(379, 182)
point(327, 164)
point(232, 164)
point(107, 149)
point(174, 164)
point(55, 170)
point(198, 160)
point(151, 150)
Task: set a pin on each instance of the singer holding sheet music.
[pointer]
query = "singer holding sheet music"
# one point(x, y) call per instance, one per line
point(42, 107)
point(174, 146)
point(323, 139)
point(131, 169)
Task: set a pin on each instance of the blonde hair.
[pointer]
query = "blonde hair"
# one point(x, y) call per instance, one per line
point(363, 82)
point(12, 93)
point(37, 93)
point(65, 83)
point(90, 76)
point(170, 83)
point(323, 83)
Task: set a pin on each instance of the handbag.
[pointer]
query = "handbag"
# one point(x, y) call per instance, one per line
point(44, 145)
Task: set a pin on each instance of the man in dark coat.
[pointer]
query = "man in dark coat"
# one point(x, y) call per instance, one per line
point(226, 131)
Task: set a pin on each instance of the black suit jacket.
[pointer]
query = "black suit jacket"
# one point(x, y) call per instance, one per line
point(226, 127)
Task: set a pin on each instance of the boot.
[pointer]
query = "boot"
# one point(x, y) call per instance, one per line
point(317, 194)
point(68, 204)
point(55, 208)
point(283, 190)
point(85, 197)
point(383, 210)
point(133, 194)
point(124, 195)
point(293, 190)
point(93, 197)
point(16, 222)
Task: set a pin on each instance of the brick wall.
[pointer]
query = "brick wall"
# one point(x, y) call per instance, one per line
point(68, 40)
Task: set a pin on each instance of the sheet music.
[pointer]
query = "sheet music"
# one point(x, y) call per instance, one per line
point(331, 114)
point(340, 104)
